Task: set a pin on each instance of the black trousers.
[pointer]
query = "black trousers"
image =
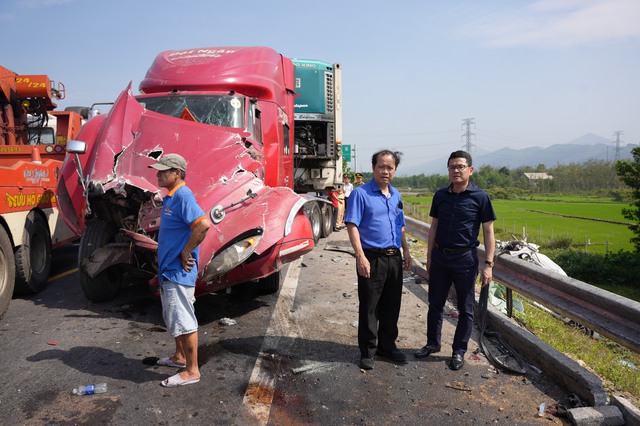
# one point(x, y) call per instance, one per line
point(380, 298)
point(461, 270)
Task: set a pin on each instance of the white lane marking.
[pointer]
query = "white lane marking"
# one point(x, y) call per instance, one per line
point(259, 394)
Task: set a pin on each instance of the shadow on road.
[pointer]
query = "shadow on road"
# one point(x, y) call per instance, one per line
point(100, 362)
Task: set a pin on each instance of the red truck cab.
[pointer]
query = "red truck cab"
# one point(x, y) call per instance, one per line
point(229, 112)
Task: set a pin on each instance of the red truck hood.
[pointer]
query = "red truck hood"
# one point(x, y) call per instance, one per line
point(131, 138)
point(222, 167)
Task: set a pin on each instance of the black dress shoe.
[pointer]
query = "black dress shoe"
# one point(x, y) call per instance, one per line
point(366, 363)
point(427, 350)
point(457, 361)
point(395, 355)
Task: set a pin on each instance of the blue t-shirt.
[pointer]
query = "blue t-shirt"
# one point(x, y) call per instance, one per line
point(180, 213)
point(379, 219)
point(460, 215)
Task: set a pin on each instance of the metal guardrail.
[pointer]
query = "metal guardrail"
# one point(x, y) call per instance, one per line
point(611, 315)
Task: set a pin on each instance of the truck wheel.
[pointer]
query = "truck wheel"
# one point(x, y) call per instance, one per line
point(270, 284)
point(312, 210)
point(106, 285)
point(33, 257)
point(327, 220)
point(7, 271)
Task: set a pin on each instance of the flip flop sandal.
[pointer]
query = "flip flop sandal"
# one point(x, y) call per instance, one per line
point(166, 362)
point(175, 381)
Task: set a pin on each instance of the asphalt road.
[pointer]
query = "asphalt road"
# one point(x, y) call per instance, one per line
point(290, 359)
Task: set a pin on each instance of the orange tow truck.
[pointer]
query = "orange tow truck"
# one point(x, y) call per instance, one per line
point(32, 147)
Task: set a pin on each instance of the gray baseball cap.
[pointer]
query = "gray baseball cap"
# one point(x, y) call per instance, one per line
point(170, 161)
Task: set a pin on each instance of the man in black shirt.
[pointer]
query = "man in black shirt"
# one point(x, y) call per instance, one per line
point(457, 212)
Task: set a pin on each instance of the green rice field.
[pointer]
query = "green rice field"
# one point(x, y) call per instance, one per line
point(593, 225)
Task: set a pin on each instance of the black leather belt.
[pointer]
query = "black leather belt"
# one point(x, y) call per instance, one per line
point(389, 251)
point(452, 251)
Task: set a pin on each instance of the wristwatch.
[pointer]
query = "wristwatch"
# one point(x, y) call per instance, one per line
point(490, 262)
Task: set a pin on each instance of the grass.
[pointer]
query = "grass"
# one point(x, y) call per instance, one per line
point(572, 198)
point(609, 211)
point(604, 357)
point(542, 221)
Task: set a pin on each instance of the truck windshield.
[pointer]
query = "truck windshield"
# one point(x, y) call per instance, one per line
point(43, 136)
point(217, 110)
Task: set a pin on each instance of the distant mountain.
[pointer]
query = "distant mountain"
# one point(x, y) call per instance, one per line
point(590, 139)
point(585, 148)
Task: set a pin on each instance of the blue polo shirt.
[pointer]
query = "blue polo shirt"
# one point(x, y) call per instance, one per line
point(379, 219)
point(460, 215)
point(180, 213)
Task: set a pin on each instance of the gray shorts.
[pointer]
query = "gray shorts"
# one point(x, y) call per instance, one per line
point(177, 308)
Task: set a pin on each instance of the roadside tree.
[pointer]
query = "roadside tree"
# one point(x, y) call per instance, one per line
point(629, 173)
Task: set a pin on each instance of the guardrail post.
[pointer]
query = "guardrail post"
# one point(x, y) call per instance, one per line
point(509, 302)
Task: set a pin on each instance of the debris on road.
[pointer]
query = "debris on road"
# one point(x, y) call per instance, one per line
point(227, 321)
point(541, 409)
point(459, 386)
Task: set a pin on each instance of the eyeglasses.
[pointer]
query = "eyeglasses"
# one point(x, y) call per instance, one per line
point(457, 167)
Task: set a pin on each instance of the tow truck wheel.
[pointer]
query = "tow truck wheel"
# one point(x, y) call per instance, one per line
point(7, 271)
point(33, 257)
point(312, 210)
point(106, 285)
point(270, 284)
point(327, 220)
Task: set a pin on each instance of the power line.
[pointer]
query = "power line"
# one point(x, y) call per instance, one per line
point(386, 135)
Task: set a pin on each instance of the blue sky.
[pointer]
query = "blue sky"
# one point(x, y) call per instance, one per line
point(530, 73)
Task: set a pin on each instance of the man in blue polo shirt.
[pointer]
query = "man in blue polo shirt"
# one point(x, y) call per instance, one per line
point(183, 226)
point(375, 223)
point(457, 212)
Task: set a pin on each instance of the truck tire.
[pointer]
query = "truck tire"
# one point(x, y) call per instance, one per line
point(312, 210)
point(270, 284)
point(7, 271)
point(106, 285)
point(33, 257)
point(327, 220)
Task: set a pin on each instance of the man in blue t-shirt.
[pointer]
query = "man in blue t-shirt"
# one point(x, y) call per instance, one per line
point(183, 226)
point(375, 223)
point(457, 213)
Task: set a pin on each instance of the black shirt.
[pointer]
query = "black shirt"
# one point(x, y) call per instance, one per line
point(460, 215)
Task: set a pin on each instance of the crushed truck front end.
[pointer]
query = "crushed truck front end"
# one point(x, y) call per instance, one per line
point(227, 111)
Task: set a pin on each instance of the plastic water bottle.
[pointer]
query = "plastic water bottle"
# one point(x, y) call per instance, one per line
point(90, 389)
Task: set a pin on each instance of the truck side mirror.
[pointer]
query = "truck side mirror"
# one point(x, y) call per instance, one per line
point(76, 147)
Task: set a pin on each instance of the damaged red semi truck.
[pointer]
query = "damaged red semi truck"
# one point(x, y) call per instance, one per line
point(261, 134)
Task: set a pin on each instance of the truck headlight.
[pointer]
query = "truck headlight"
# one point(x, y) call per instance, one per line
point(231, 257)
